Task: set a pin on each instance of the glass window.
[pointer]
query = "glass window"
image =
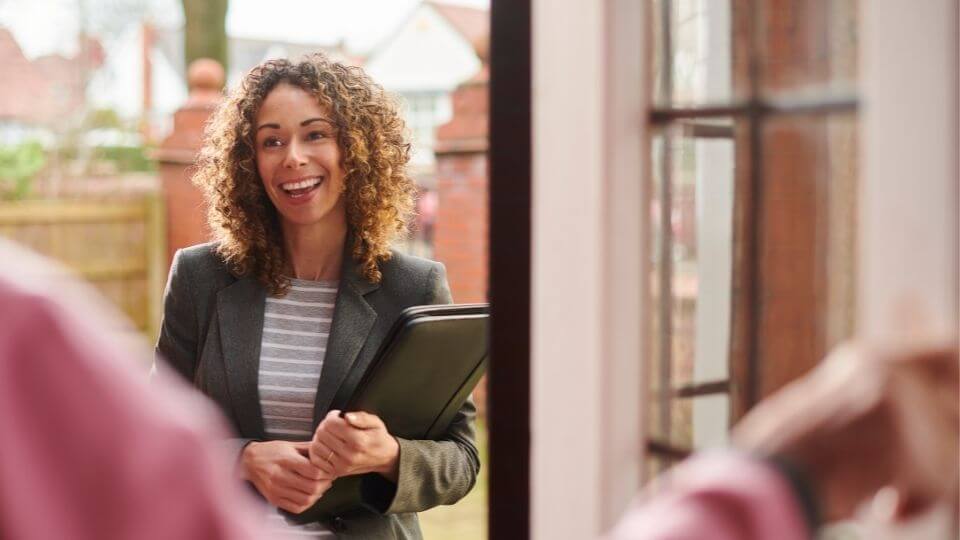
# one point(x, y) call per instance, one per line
point(753, 183)
point(424, 112)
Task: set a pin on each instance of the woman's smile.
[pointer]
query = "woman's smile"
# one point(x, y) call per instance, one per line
point(300, 190)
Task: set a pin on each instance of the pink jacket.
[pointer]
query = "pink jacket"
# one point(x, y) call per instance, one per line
point(89, 449)
point(717, 496)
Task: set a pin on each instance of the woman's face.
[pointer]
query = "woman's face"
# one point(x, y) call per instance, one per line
point(298, 158)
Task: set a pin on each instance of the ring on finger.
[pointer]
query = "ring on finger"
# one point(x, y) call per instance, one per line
point(330, 455)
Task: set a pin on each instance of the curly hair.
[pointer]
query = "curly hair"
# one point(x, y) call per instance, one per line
point(375, 150)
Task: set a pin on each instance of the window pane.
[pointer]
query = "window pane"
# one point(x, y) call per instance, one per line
point(807, 226)
point(711, 420)
point(807, 48)
point(699, 423)
point(691, 219)
point(702, 49)
point(691, 52)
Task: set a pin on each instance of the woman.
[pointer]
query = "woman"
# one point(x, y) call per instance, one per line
point(304, 173)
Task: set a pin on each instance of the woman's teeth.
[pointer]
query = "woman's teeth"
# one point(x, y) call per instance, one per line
point(296, 189)
point(309, 182)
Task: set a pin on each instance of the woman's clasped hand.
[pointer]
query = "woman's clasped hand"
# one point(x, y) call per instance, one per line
point(283, 473)
point(293, 475)
point(355, 443)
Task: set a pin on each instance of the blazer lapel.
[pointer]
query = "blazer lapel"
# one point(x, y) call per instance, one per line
point(240, 311)
point(353, 318)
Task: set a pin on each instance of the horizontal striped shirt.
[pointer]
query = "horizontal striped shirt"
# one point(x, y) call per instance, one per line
point(294, 343)
point(295, 332)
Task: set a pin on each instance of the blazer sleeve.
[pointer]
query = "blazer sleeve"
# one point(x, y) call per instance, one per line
point(179, 329)
point(431, 473)
point(177, 346)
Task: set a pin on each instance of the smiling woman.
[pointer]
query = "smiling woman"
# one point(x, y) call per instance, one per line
point(285, 122)
point(304, 170)
point(300, 166)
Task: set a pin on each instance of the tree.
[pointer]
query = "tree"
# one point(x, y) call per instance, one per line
point(18, 166)
point(205, 34)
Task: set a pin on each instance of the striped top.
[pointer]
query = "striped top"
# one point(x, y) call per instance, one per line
point(294, 343)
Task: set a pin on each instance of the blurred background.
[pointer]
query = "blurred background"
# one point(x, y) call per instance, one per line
point(102, 111)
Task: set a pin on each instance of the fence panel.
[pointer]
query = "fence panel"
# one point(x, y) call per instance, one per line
point(117, 245)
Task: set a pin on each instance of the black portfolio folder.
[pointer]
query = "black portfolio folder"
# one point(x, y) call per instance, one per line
point(428, 365)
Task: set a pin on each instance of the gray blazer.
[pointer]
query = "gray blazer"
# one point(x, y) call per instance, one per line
point(211, 332)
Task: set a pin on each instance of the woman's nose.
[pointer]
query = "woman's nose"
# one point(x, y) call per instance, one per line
point(294, 157)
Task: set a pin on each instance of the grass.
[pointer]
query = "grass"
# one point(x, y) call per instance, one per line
point(466, 520)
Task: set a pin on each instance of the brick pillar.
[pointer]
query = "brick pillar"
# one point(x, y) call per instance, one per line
point(460, 237)
point(186, 211)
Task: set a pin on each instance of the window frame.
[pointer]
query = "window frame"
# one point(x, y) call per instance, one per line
point(742, 385)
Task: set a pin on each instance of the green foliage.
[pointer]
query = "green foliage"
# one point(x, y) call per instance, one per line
point(127, 158)
point(18, 166)
point(123, 158)
point(103, 118)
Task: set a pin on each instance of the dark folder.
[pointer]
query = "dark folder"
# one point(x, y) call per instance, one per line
point(425, 370)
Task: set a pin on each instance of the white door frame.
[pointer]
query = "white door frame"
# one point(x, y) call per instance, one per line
point(908, 228)
point(588, 241)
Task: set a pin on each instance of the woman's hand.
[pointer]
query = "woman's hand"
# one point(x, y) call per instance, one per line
point(281, 471)
point(356, 444)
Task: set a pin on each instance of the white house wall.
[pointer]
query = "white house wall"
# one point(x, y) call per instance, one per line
point(426, 53)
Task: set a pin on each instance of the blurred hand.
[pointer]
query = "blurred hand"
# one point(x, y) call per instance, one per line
point(867, 419)
point(281, 471)
point(356, 444)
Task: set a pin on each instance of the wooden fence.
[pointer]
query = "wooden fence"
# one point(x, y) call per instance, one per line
point(117, 245)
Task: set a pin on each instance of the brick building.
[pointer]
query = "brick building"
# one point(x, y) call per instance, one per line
point(49, 89)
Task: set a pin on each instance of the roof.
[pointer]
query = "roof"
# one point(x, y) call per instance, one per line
point(46, 88)
point(16, 99)
point(472, 23)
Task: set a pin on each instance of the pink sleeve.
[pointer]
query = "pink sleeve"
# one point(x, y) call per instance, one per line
point(90, 449)
point(717, 496)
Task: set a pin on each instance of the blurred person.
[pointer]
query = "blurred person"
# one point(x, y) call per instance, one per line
point(90, 450)
point(304, 170)
point(866, 421)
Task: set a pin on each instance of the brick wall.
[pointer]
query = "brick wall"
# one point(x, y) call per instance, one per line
point(460, 240)
point(460, 237)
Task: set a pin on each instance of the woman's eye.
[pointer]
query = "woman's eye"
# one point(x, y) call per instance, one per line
point(315, 135)
point(271, 142)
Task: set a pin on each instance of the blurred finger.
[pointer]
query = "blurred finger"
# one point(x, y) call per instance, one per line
point(291, 506)
point(299, 463)
point(303, 447)
point(363, 420)
point(295, 496)
point(299, 483)
point(344, 432)
point(308, 470)
point(318, 457)
point(334, 435)
point(335, 454)
point(322, 488)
